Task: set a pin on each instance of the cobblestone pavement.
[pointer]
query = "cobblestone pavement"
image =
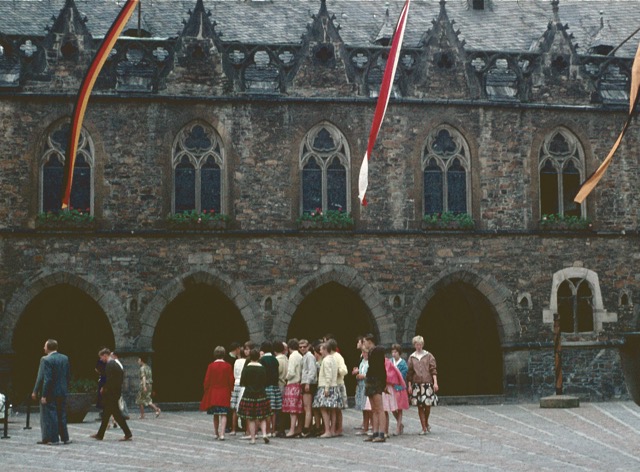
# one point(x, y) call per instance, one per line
point(521, 437)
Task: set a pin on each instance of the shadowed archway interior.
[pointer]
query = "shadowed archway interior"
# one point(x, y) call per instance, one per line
point(459, 328)
point(74, 319)
point(333, 308)
point(189, 329)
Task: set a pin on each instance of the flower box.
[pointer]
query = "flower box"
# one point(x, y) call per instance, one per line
point(193, 220)
point(66, 220)
point(329, 220)
point(564, 223)
point(448, 222)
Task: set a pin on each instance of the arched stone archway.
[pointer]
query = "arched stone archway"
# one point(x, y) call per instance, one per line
point(204, 310)
point(379, 312)
point(72, 317)
point(464, 319)
point(108, 302)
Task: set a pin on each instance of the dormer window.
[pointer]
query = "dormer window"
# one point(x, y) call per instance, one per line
point(477, 4)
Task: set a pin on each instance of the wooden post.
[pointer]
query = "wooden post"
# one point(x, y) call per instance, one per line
point(557, 350)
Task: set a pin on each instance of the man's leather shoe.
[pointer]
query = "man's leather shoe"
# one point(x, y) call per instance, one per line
point(68, 442)
point(126, 438)
point(95, 436)
point(43, 442)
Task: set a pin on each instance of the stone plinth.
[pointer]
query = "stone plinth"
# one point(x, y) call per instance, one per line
point(559, 401)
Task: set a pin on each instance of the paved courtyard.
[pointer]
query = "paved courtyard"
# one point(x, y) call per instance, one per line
point(514, 437)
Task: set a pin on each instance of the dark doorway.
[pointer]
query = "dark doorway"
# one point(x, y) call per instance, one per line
point(189, 329)
point(333, 308)
point(74, 319)
point(459, 328)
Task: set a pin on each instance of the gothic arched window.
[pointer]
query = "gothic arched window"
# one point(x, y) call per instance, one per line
point(561, 168)
point(52, 170)
point(324, 165)
point(575, 306)
point(446, 168)
point(198, 163)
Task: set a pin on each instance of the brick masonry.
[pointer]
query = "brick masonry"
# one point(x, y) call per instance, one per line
point(133, 256)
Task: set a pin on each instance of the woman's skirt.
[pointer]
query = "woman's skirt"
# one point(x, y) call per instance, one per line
point(275, 397)
point(389, 401)
point(360, 397)
point(423, 395)
point(257, 408)
point(235, 396)
point(343, 396)
point(402, 398)
point(332, 400)
point(292, 400)
point(218, 410)
point(144, 398)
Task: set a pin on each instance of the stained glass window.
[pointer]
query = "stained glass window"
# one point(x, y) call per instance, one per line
point(324, 164)
point(52, 171)
point(445, 165)
point(198, 163)
point(561, 170)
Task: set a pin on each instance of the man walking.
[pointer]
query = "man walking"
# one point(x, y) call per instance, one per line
point(55, 387)
point(111, 392)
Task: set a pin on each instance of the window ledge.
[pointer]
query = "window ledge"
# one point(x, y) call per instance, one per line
point(446, 226)
point(214, 225)
point(324, 225)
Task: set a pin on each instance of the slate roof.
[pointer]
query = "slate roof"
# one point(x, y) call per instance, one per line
point(508, 25)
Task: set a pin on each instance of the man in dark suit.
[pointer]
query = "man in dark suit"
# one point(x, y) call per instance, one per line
point(37, 393)
point(111, 392)
point(55, 387)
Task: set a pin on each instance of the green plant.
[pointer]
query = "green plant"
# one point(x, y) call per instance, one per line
point(449, 219)
point(335, 218)
point(83, 386)
point(564, 221)
point(72, 215)
point(194, 217)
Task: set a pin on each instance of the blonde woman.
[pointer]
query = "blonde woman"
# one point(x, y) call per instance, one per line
point(422, 382)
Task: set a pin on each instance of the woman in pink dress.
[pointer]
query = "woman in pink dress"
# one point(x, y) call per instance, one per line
point(397, 386)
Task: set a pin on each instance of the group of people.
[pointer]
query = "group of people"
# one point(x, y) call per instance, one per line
point(264, 388)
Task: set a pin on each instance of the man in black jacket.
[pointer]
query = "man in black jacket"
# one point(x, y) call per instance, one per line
point(111, 392)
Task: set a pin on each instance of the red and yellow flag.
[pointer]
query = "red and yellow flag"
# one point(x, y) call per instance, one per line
point(634, 96)
point(85, 91)
point(383, 99)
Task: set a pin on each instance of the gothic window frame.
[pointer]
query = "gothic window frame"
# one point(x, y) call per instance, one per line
point(558, 160)
point(53, 149)
point(324, 159)
point(444, 162)
point(215, 150)
point(600, 314)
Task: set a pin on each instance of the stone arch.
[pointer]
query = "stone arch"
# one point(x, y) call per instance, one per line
point(106, 300)
point(235, 291)
point(466, 320)
point(349, 278)
point(496, 293)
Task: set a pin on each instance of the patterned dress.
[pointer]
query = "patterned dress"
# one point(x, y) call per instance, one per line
point(361, 398)
point(144, 398)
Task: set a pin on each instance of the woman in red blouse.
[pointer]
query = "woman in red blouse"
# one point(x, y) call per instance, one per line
point(218, 385)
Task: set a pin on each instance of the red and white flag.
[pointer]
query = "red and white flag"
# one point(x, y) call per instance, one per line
point(383, 99)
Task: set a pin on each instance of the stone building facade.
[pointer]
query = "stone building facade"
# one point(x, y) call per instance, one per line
point(261, 111)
